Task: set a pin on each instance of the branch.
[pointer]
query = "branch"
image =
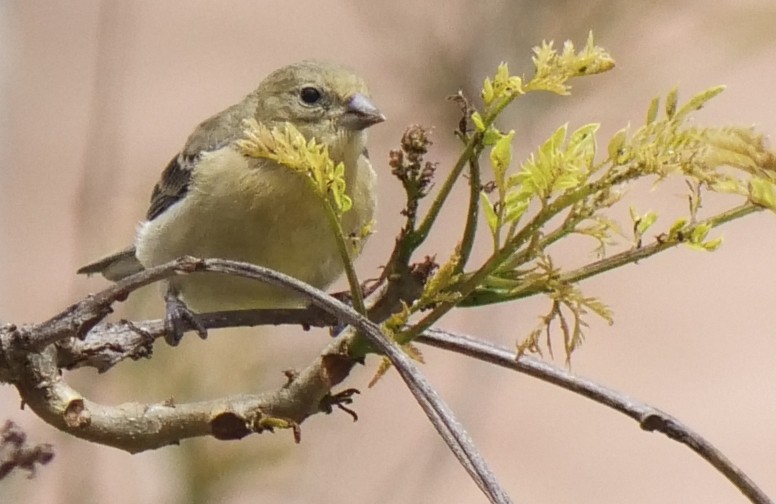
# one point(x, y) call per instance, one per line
point(108, 344)
point(136, 427)
point(78, 319)
point(15, 452)
point(649, 418)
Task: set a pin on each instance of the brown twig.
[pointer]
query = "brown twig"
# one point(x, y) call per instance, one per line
point(16, 452)
point(648, 417)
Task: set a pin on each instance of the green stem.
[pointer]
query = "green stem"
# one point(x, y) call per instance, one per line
point(631, 256)
point(476, 278)
point(495, 261)
point(609, 263)
point(561, 231)
point(433, 212)
point(347, 262)
point(470, 230)
point(473, 147)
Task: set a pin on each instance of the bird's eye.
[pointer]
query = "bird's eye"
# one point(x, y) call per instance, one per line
point(310, 95)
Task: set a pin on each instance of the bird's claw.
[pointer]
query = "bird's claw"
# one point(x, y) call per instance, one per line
point(178, 319)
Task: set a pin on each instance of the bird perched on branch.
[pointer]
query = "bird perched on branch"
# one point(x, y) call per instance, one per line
point(214, 201)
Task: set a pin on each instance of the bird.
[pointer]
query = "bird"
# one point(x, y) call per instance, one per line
point(213, 201)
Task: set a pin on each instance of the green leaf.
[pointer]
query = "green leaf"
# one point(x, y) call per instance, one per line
point(487, 92)
point(713, 245)
point(633, 214)
point(515, 205)
point(502, 73)
point(698, 101)
point(615, 144)
point(501, 157)
point(652, 111)
point(557, 139)
point(676, 228)
point(599, 308)
point(554, 68)
point(643, 223)
point(699, 233)
point(435, 289)
point(761, 193)
point(581, 146)
point(671, 100)
point(515, 85)
point(491, 136)
point(479, 124)
point(490, 212)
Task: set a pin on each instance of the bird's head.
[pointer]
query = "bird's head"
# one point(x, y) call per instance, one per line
point(322, 100)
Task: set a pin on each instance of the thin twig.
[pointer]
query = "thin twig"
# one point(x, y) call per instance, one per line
point(648, 417)
point(438, 412)
point(17, 453)
point(108, 344)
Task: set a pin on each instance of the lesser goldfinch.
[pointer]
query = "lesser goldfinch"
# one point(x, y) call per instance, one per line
point(213, 201)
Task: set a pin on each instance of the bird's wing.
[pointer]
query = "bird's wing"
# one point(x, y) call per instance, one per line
point(173, 184)
point(213, 134)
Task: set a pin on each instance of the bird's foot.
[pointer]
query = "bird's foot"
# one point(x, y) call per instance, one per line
point(179, 318)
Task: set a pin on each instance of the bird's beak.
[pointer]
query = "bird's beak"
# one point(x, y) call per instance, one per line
point(360, 113)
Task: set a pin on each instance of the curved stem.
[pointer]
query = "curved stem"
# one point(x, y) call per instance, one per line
point(472, 213)
point(648, 417)
point(433, 212)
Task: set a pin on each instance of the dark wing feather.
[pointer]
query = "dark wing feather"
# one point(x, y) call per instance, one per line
point(213, 134)
point(172, 186)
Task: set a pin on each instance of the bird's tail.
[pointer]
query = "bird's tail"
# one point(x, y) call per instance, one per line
point(115, 266)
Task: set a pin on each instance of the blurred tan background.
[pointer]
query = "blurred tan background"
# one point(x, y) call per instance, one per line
point(98, 95)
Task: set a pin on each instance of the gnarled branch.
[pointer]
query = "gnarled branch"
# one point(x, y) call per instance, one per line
point(31, 355)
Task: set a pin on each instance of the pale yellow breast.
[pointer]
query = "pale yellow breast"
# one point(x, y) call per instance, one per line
point(253, 211)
